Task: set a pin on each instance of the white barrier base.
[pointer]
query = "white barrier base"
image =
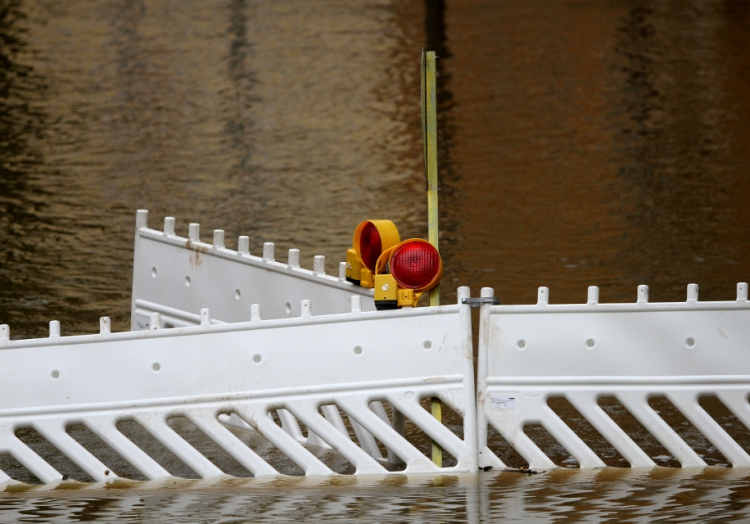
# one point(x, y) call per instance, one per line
point(310, 381)
point(633, 352)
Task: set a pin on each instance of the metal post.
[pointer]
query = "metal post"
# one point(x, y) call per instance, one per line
point(429, 131)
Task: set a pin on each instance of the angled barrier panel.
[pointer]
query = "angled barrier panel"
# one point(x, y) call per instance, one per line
point(177, 277)
point(633, 352)
point(322, 394)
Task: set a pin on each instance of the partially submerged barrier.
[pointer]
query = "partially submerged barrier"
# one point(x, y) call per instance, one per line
point(332, 374)
point(177, 277)
point(347, 390)
point(682, 351)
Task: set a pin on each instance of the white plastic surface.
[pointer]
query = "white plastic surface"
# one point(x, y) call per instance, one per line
point(177, 277)
point(243, 371)
point(631, 351)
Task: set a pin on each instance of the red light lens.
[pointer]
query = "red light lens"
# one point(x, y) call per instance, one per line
point(370, 246)
point(415, 264)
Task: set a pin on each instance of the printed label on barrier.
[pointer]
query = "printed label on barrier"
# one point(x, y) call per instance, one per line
point(503, 402)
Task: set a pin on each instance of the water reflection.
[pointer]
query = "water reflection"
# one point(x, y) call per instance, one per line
point(624, 495)
point(603, 147)
point(273, 121)
point(449, 178)
point(239, 122)
point(673, 140)
point(22, 128)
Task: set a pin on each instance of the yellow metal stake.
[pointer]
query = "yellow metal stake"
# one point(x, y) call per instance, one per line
point(429, 131)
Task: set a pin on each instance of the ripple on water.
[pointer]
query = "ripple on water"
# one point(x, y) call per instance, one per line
point(627, 495)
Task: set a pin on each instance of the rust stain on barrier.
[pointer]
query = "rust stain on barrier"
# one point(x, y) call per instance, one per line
point(253, 423)
point(195, 256)
point(480, 398)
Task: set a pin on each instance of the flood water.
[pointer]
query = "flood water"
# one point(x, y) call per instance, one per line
point(581, 143)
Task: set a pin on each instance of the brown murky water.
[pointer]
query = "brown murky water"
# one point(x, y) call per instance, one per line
point(582, 143)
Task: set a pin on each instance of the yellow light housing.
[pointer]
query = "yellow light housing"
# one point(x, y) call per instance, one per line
point(371, 238)
point(413, 267)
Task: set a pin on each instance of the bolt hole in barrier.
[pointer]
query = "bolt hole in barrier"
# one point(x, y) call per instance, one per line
point(626, 394)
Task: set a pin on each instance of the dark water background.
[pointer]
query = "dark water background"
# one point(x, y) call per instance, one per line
point(581, 143)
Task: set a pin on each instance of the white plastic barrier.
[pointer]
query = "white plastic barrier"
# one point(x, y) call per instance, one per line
point(177, 277)
point(320, 369)
point(528, 354)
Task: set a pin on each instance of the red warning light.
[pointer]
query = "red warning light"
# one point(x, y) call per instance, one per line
point(416, 264)
point(370, 245)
